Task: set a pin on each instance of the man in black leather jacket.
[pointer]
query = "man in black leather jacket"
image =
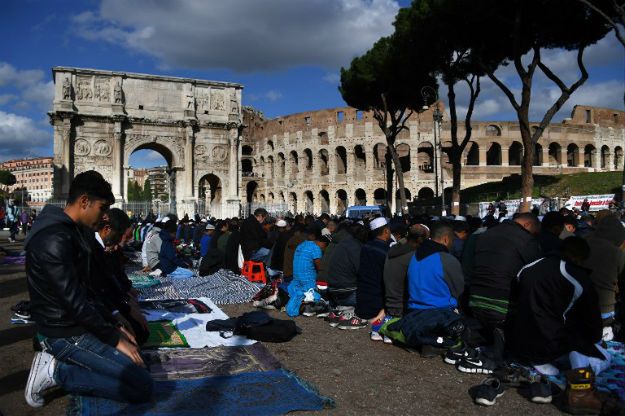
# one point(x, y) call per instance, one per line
point(81, 341)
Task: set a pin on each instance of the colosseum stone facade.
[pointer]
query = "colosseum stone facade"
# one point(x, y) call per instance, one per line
point(324, 161)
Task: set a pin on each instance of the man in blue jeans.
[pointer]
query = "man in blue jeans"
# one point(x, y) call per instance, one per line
point(85, 351)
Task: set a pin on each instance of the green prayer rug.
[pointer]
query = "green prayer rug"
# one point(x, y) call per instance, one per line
point(164, 334)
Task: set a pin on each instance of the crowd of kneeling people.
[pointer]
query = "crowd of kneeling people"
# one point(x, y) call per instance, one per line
point(478, 292)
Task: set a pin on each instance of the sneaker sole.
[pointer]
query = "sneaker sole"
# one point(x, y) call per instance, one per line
point(351, 327)
point(485, 402)
point(450, 361)
point(333, 324)
point(474, 370)
point(309, 314)
point(541, 400)
point(28, 392)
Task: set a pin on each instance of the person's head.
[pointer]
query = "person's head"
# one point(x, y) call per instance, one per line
point(260, 214)
point(209, 229)
point(553, 222)
point(415, 236)
point(398, 228)
point(324, 218)
point(529, 222)
point(461, 229)
point(281, 226)
point(360, 232)
point(575, 250)
point(113, 226)
point(169, 225)
point(332, 226)
point(442, 232)
point(268, 224)
point(380, 229)
point(570, 223)
point(323, 240)
point(89, 198)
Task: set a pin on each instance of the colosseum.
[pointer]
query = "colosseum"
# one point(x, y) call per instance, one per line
point(327, 160)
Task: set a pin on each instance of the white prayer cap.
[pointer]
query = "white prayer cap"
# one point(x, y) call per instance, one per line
point(325, 231)
point(377, 223)
point(164, 220)
point(210, 227)
point(460, 218)
point(281, 223)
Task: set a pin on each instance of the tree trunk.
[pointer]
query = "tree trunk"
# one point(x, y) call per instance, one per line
point(623, 181)
point(527, 167)
point(455, 157)
point(389, 177)
point(400, 178)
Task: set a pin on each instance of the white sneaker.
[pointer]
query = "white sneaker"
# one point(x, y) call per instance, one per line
point(387, 340)
point(375, 336)
point(608, 334)
point(41, 378)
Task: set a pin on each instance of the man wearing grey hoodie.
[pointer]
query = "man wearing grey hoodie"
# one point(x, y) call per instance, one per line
point(607, 262)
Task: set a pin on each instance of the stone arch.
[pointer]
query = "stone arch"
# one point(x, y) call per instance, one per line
point(618, 158)
point(555, 153)
point(341, 201)
point(379, 196)
point(589, 156)
point(308, 159)
point(281, 171)
point(262, 199)
point(425, 193)
point(294, 163)
point(271, 167)
point(572, 155)
point(324, 158)
point(492, 130)
point(360, 197)
point(250, 191)
point(425, 157)
point(341, 160)
point(605, 157)
point(293, 202)
point(360, 162)
point(515, 154)
point(270, 198)
point(324, 199)
point(211, 194)
point(493, 156)
point(270, 145)
point(170, 156)
point(247, 167)
point(398, 198)
point(309, 201)
point(173, 153)
point(473, 154)
point(379, 150)
point(247, 150)
point(403, 151)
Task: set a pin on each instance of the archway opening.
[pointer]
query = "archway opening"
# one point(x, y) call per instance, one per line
point(398, 198)
point(589, 156)
point(538, 155)
point(425, 157)
point(515, 154)
point(360, 197)
point(323, 162)
point(210, 196)
point(293, 202)
point(379, 196)
point(618, 157)
point(379, 152)
point(294, 162)
point(309, 159)
point(403, 151)
point(341, 201)
point(425, 193)
point(360, 162)
point(473, 155)
point(325, 201)
point(250, 191)
point(605, 157)
point(247, 168)
point(341, 160)
point(555, 154)
point(308, 202)
point(572, 155)
point(493, 156)
point(149, 182)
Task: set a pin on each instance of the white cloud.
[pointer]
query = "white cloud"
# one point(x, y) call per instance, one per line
point(29, 84)
point(19, 136)
point(242, 35)
point(332, 78)
point(271, 95)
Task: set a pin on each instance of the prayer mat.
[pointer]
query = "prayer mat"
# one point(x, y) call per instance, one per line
point(140, 281)
point(177, 305)
point(164, 334)
point(260, 394)
point(14, 260)
point(191, 363)
point(223, 288)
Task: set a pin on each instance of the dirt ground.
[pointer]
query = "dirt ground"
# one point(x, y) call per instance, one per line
point(363, 377)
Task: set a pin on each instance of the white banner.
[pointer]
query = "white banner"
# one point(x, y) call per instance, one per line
point(512, 206)
point(597, 202)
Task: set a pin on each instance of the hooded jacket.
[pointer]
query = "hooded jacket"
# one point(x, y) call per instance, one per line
point(168, 260)
point(58, 264)
point(557, 311)
point(344, 265)
point(325, 269)
point(395, 278)
point(253, 237)
point(435, 279)
point(370, 292)
point(606, 260)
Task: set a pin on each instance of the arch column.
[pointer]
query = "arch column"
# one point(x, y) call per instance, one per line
point(332, 202)
point(332, 165)
point(545, 155)
point(596, 164)
point(350, 157)
point(483, 155)
point(188, 162)
point(118, 172)
point(369, 161)
point(505, 156)
point(316, 166)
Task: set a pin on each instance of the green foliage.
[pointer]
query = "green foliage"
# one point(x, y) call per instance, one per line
point(147, 190)
point(7, 178)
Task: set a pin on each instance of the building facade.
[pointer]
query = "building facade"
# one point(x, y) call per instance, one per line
point(34, 176)
point(324, 161)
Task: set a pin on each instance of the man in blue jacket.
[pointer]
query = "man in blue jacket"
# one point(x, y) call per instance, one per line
point(435, 283)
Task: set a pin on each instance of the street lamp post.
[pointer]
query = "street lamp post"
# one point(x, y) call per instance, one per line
point(429, 92)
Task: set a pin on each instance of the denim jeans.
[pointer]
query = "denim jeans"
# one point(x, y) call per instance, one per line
point(87, 366)
point(262, 254)
point(342, 298)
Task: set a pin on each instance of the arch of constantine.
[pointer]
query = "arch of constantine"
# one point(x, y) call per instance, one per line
point(226, 157)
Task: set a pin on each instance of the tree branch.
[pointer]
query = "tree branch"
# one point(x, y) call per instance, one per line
point(505, 89)
point(475, 92)
point(617, 30)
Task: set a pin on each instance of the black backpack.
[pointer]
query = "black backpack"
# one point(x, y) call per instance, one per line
point(259, 326)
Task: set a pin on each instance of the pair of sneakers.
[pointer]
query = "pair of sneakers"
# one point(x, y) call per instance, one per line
point(40, 379)
point(375, 330)
point(470, 360)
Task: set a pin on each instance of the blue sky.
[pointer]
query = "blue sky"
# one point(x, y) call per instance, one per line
point(287, 54)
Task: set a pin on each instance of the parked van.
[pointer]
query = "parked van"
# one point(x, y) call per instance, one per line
point(361, 211)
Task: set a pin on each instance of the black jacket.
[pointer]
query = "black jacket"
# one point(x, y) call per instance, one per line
point(344, 265)
point(253, 237)
point(500, 253)
point(395, 278)
point(57, 266)
point(556, 311)
point(370, 292)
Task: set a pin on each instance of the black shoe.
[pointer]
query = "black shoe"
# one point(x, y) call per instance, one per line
point(488, 392)
point(454, 355)
point(312, 309)
point(430, 351)
point(476, 363)
point(540, 391)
